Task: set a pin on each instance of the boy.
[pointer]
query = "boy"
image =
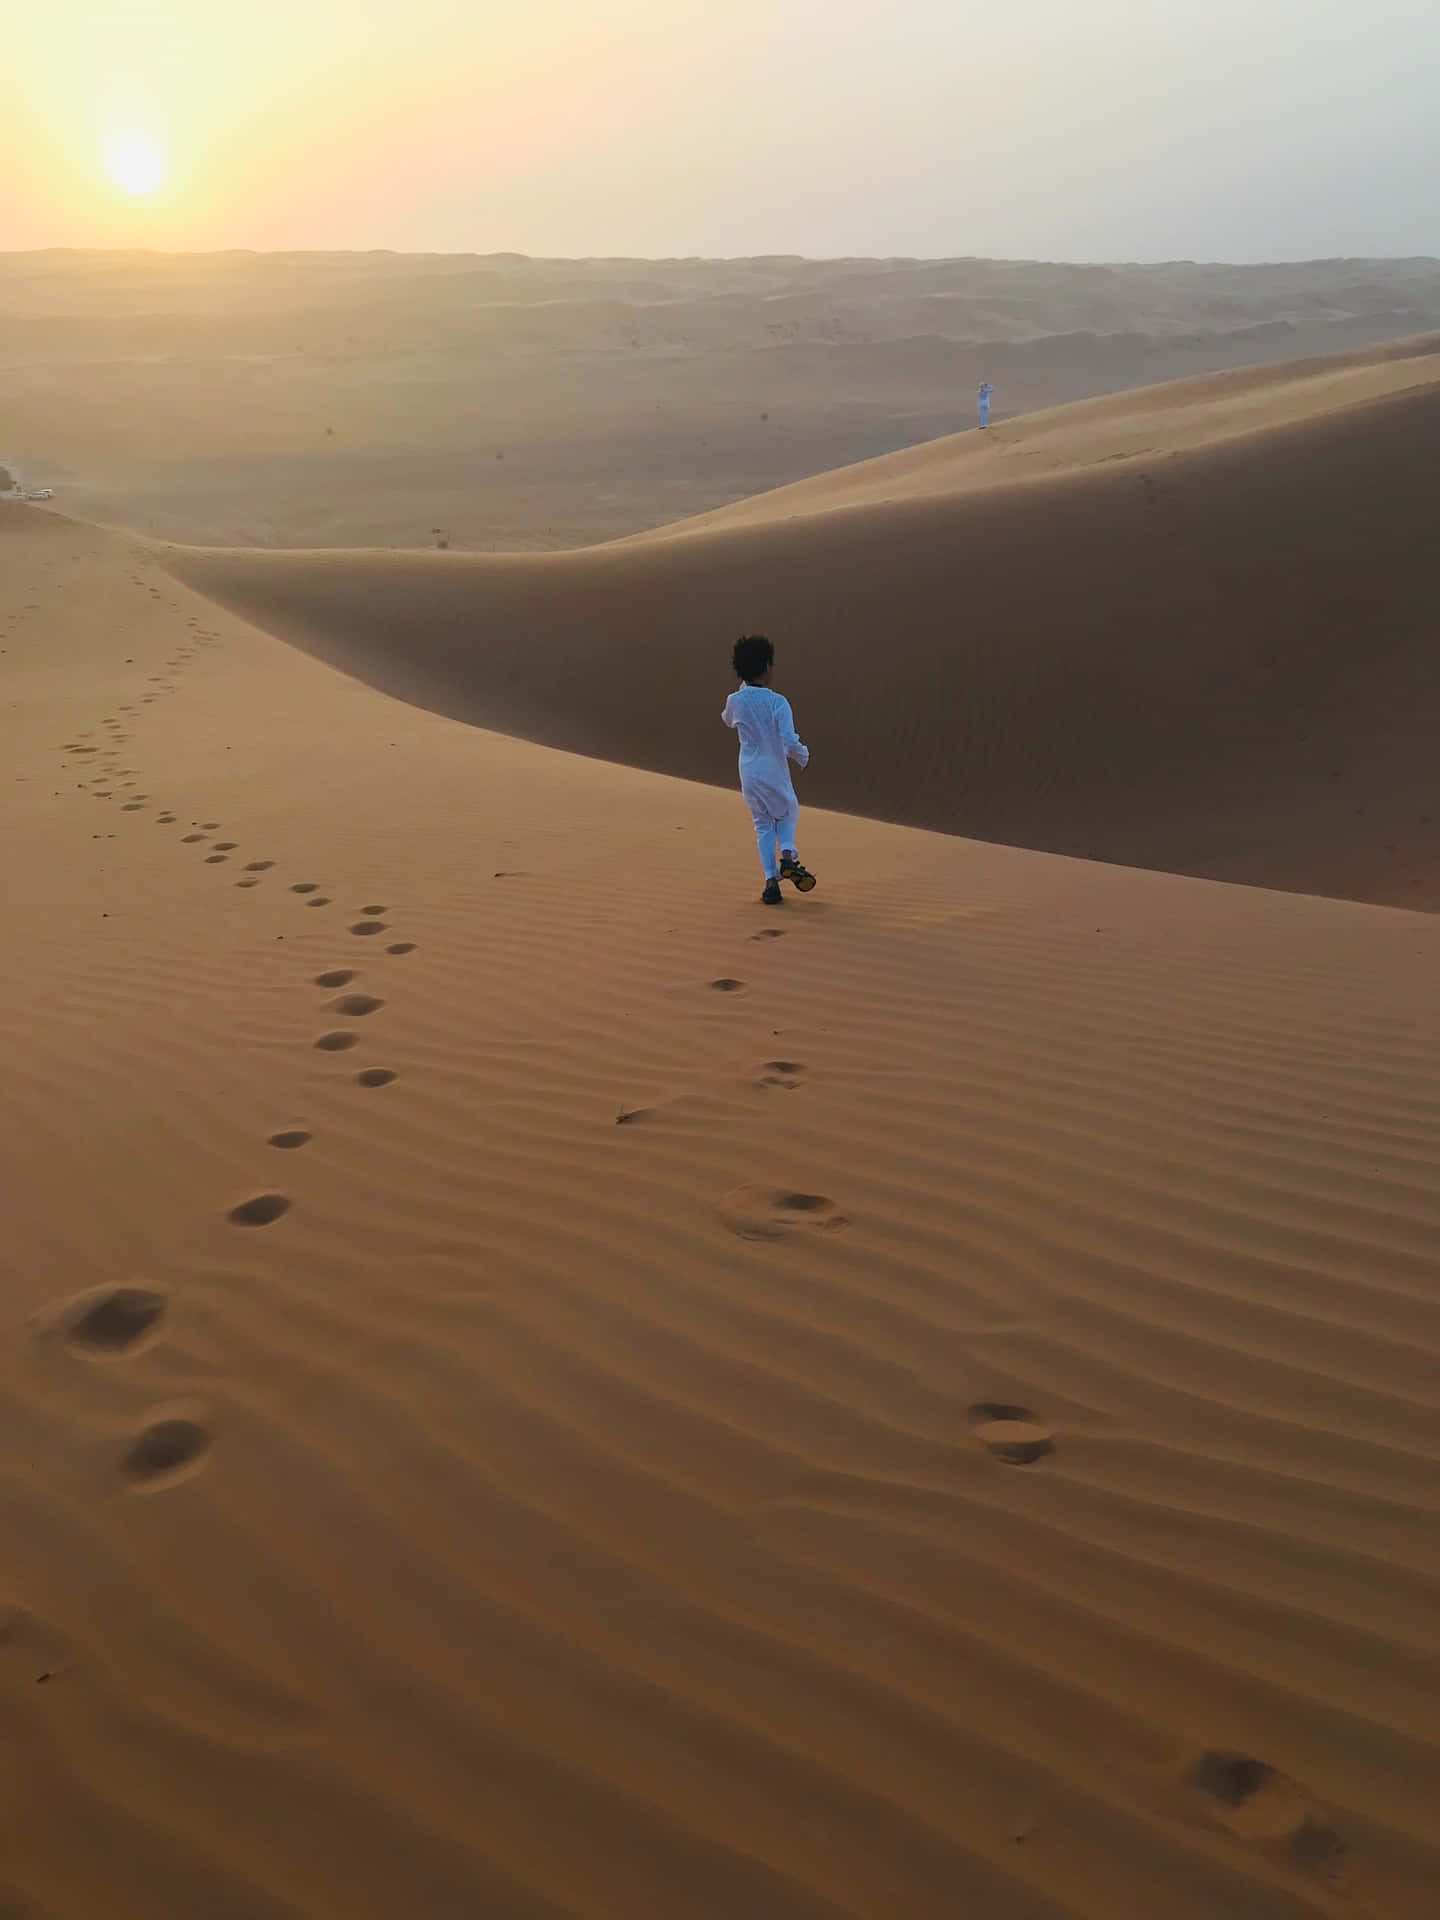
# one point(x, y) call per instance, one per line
point(768, 739)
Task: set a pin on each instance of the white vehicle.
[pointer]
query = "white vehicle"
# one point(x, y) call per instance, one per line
point(41, 493)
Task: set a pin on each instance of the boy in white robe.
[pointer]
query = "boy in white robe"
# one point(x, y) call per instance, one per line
point(768, 742)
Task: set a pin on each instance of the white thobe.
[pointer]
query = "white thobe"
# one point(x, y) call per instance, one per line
point(768, 743)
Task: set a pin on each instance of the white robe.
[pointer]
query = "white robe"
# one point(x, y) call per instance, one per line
point(768, 742)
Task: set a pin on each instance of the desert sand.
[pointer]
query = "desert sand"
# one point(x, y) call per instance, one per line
point(534, 1386)
point(1189, 628)
point(507, 403)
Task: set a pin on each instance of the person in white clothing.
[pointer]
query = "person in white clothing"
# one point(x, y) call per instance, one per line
point(982, 397)
point(768, 743)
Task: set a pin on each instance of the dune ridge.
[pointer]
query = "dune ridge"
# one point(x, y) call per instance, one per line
point(1187, 628)
point(504, 403)
point(930, 1413)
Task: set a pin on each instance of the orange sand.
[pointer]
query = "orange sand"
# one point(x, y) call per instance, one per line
point(965, 1445)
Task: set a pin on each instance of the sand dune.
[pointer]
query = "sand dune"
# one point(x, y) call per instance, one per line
point(1176, 417)
point(300, 400)
point(1189, 628)
point(966, 1443)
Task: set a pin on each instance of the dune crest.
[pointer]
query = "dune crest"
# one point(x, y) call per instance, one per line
point(1190, 628)
point(502, 403)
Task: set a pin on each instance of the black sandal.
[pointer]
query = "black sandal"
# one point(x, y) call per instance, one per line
point(800, 877)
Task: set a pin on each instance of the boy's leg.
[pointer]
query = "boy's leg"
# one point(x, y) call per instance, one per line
point(765, 840)
point(790, 867)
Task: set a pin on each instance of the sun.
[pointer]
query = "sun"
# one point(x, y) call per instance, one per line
point(136, 163)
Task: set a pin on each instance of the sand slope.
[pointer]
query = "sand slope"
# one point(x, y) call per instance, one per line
point(550, 1517)
point(366, 399)
point(1189, 628)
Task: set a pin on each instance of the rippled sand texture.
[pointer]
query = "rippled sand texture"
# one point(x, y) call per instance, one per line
point(919, 1402)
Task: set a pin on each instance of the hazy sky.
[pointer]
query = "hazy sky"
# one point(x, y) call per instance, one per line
point(1060, 129)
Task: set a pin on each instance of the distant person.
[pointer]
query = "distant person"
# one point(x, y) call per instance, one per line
point(768, 742)
point(982, 396)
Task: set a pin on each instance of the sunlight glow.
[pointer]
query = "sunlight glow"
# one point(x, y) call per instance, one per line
point(135, 163)
point(655, 127)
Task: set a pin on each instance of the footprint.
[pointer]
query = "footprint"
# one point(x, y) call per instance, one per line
point(292, 1137)
point(305, 886)
point(772, 1213)
point(111, 1321)
point(1010, 1434)
point(259, 1212)
point(247, 883)
point(367, 926)
point(133, 806)
point(372, 910)
point(320, 900)
point(165, 819)
point(166, 1452)
point(375, 1077)
point(337, 1042)
point(336, 977)
point(1258, 1802)
point(226, 846)
point(211, 859)
point(190, 839)
point(635, 1116)
point(356, 1005)
point(258, 866)
point(782, 1073)
point(209, 826)
point(727, 985)
point(402, 946)
point(769, 933)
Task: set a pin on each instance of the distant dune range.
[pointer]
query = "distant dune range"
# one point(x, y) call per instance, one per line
point(1192, 627)
point(520, 405)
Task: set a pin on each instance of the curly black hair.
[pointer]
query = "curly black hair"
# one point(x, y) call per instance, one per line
point(753, 654)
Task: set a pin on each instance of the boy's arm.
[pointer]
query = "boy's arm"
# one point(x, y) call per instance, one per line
point(727, 715)
point(795, 747)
